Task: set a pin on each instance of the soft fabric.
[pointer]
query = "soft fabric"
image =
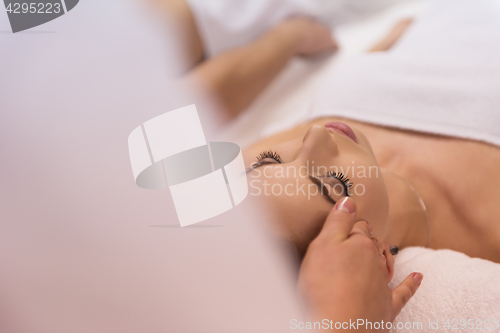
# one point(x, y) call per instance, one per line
point(443, 77)
point(455, 287)
point(225, 24)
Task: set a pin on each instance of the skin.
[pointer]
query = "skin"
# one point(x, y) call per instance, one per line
point(300, 216)
point(236, 77)
point(460, 201)
point(323, 270)
point(457, 180)
point(393, 36)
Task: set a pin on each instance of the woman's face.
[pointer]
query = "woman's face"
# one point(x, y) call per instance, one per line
point(301, 173)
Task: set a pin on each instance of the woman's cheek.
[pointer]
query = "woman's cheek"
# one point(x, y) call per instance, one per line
point(373, 206)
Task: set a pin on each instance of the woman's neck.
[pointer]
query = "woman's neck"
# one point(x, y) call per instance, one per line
point(408, 222)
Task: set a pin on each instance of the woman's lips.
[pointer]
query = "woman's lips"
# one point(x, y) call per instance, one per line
point(342, 128)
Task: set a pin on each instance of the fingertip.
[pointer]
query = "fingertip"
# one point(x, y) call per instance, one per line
point(346, 205)
point(405, 291)
point(418, 277)
point(341, 218)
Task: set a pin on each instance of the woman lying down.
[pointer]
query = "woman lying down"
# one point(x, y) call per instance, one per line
point(412, 136)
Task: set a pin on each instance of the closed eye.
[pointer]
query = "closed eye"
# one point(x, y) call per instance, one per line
point(269, 155)
point(266, 157)
point(323, 188)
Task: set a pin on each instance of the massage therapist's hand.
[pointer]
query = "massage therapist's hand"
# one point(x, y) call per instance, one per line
point(345, 272)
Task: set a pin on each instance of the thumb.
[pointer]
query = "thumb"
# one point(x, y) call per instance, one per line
point(406, 289)
point(341, 220)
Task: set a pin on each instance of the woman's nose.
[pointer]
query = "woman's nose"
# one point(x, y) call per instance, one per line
point(318, 145)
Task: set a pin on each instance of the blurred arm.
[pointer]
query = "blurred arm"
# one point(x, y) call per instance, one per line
point(237, 76)
point(394, 35)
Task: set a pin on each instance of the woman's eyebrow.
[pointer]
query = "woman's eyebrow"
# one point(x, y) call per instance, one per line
point(324, 190)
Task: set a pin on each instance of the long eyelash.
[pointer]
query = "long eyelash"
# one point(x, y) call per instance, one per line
point(269, 154)
point(343, 178)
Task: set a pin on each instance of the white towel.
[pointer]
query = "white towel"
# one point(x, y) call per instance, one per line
point(225, 24)
point(455, 288)
point(443, 77)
